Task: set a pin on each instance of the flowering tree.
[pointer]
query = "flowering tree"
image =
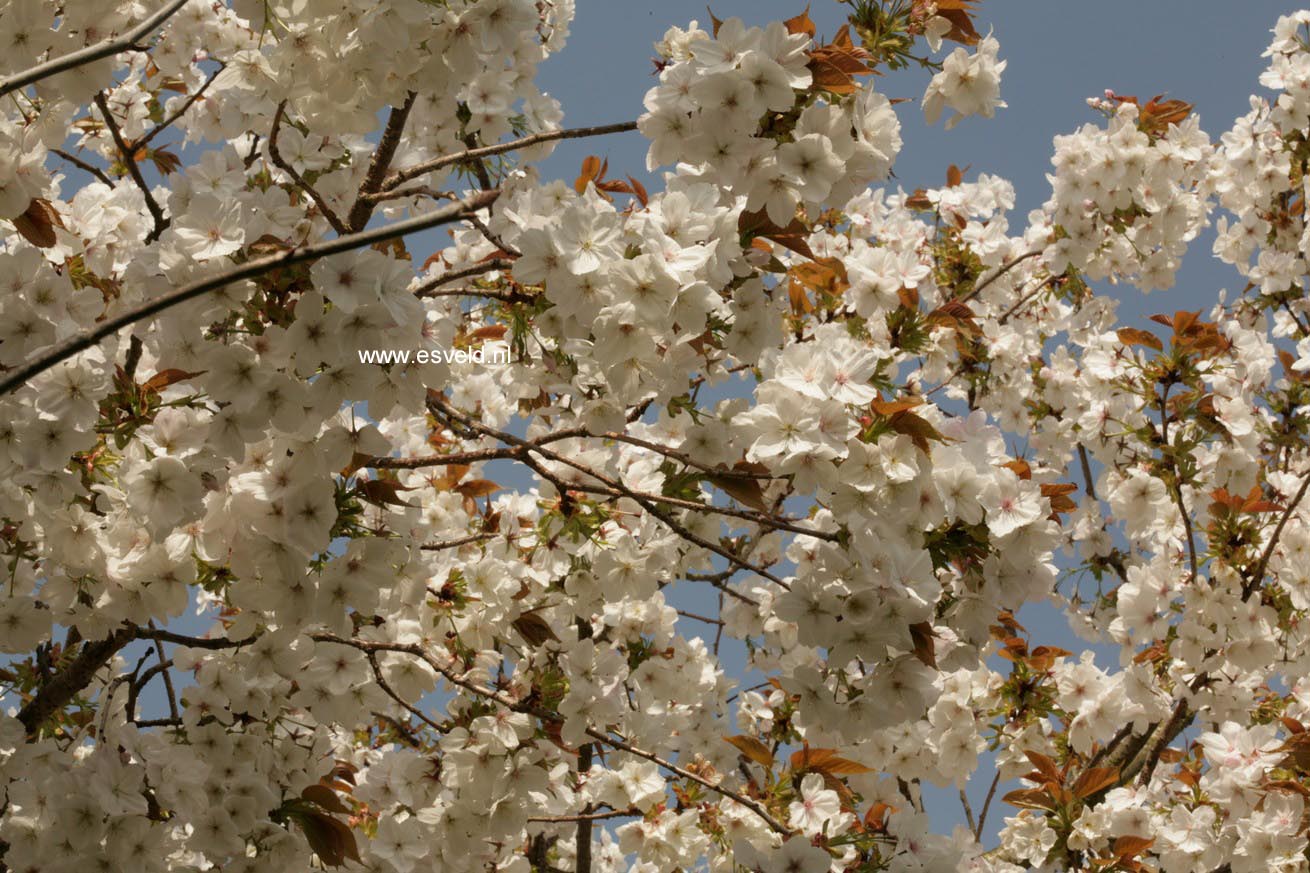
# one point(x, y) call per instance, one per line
point(267, 610)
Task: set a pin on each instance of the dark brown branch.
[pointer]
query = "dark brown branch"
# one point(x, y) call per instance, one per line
point(590, 816)
point(1025, 299)
point(547, 715)
point(1000, 271)
point(167, 677)
point(987, 804)
point(1258, 574)
point(456, 543)
point(127, 153)
point(446, 409)
point(65, 685)
point(380, 163)
point(582, 851)
point(84, 166)
point(250, 269)
point(211, 643)
point(427, 289)
point(422, 461)
point(404, 193)
point(298, 180)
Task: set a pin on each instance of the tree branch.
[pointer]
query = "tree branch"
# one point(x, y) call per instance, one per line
point(362, 211)
point(1000, 271)
point(91, 53)
point(65, 685)
point(1259, 572)
point(256, 267)
point(547, 715)
point(126, 151)
point(402, 176)
point(298, 180)
point(182, 110)
point(84, 166)
point(428, 288)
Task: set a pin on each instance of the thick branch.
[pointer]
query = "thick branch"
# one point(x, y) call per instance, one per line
point(362, 211)
point(91, 53)
point(250, 269)
point(65, 685)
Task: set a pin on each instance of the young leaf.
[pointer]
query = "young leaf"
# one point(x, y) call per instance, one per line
point(753, 749)
point(1131, 336)
point(1093, 780)
point(801, 24)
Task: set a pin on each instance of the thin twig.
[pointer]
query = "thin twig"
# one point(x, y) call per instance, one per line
point(550, 716)
point(167, 677)
point(1000, 271)
point(300, 182)
point(427, 289)
point(640, 499)
point(181, 110)
point(968, 812)
point(987, 802)
point(632, 812)
point(128, 155)
point(85, 166)
point(1026, 298)
point(402, 176)
point(1268, 552)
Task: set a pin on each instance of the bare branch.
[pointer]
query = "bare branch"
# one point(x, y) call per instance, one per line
point(362, 211)
point(1268, 552)
point(402, 176)
point(547, 715)
point(1000, 271)
point(439, 404)
point(128, 154)
point(88, 338)
point(632, 812)
point(298, 180)
point(182, 110)
point(212, 643)
point(85, 166)
point(91, 53)
point(428, 288)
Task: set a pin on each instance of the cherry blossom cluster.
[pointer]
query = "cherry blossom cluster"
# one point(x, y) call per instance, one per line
point(268, 607)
